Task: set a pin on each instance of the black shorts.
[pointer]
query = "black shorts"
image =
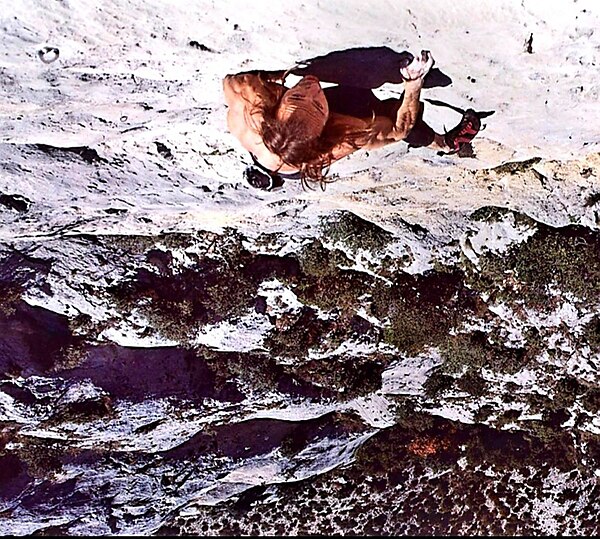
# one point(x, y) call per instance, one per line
point(261, 177)
point(284, 175)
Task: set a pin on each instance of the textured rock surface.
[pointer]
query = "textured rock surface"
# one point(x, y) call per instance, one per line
point(414, 351)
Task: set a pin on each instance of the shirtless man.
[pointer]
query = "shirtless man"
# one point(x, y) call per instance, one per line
point(297, 133)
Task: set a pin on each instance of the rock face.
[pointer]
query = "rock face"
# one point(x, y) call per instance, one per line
point(211, 383)
point(414, 351)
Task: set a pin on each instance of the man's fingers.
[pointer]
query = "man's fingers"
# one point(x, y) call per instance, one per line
point(427, 60)
point(419, 67)
point(406, 60)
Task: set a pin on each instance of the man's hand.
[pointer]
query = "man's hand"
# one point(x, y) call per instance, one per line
point(418, 68)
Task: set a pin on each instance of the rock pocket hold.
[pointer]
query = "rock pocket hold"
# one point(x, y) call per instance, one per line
point(48, 54)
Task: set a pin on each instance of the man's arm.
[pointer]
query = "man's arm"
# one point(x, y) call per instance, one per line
point(379, 131)
point(383, 130)
point(408, 112)
point(414, 79)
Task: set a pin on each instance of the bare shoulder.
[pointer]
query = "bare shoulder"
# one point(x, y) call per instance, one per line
point(243, 92)
point(236, 87)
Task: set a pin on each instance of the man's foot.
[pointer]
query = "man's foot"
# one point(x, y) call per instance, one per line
point(465, 131)
point(418, 68)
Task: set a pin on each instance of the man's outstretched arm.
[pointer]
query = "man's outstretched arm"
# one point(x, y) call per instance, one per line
point(414, 78)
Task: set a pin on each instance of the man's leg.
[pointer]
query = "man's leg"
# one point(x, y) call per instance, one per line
point(423, 135)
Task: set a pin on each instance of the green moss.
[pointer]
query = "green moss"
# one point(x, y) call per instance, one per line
point(259, 371)
point(591, 334)
point(412, 329)
point(43, 457)
point(10, 294)
point(317, 261)
point(345, 377)
point(355, 232)
point(490, 214)
point(438, 383)
point(294, 336)
point(220, 284)
point(461, 352)
point(356, 236)
point(472, 351)
point(473, 383)
point(71, 355)
point(177, 304)
point(567, 259)
point(516, 166)
point(507, 417)
point(422, 309)
point(565, 392)
point(483, 413)
point(139, 245)
point(497, 214)
point(324, 284)
point(591, 400)
point(538, 402)
point(518, 449)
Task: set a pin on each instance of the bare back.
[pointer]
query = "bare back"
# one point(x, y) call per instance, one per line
point(244, 92)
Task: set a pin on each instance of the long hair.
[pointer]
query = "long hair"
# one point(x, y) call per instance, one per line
point(289, 141)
